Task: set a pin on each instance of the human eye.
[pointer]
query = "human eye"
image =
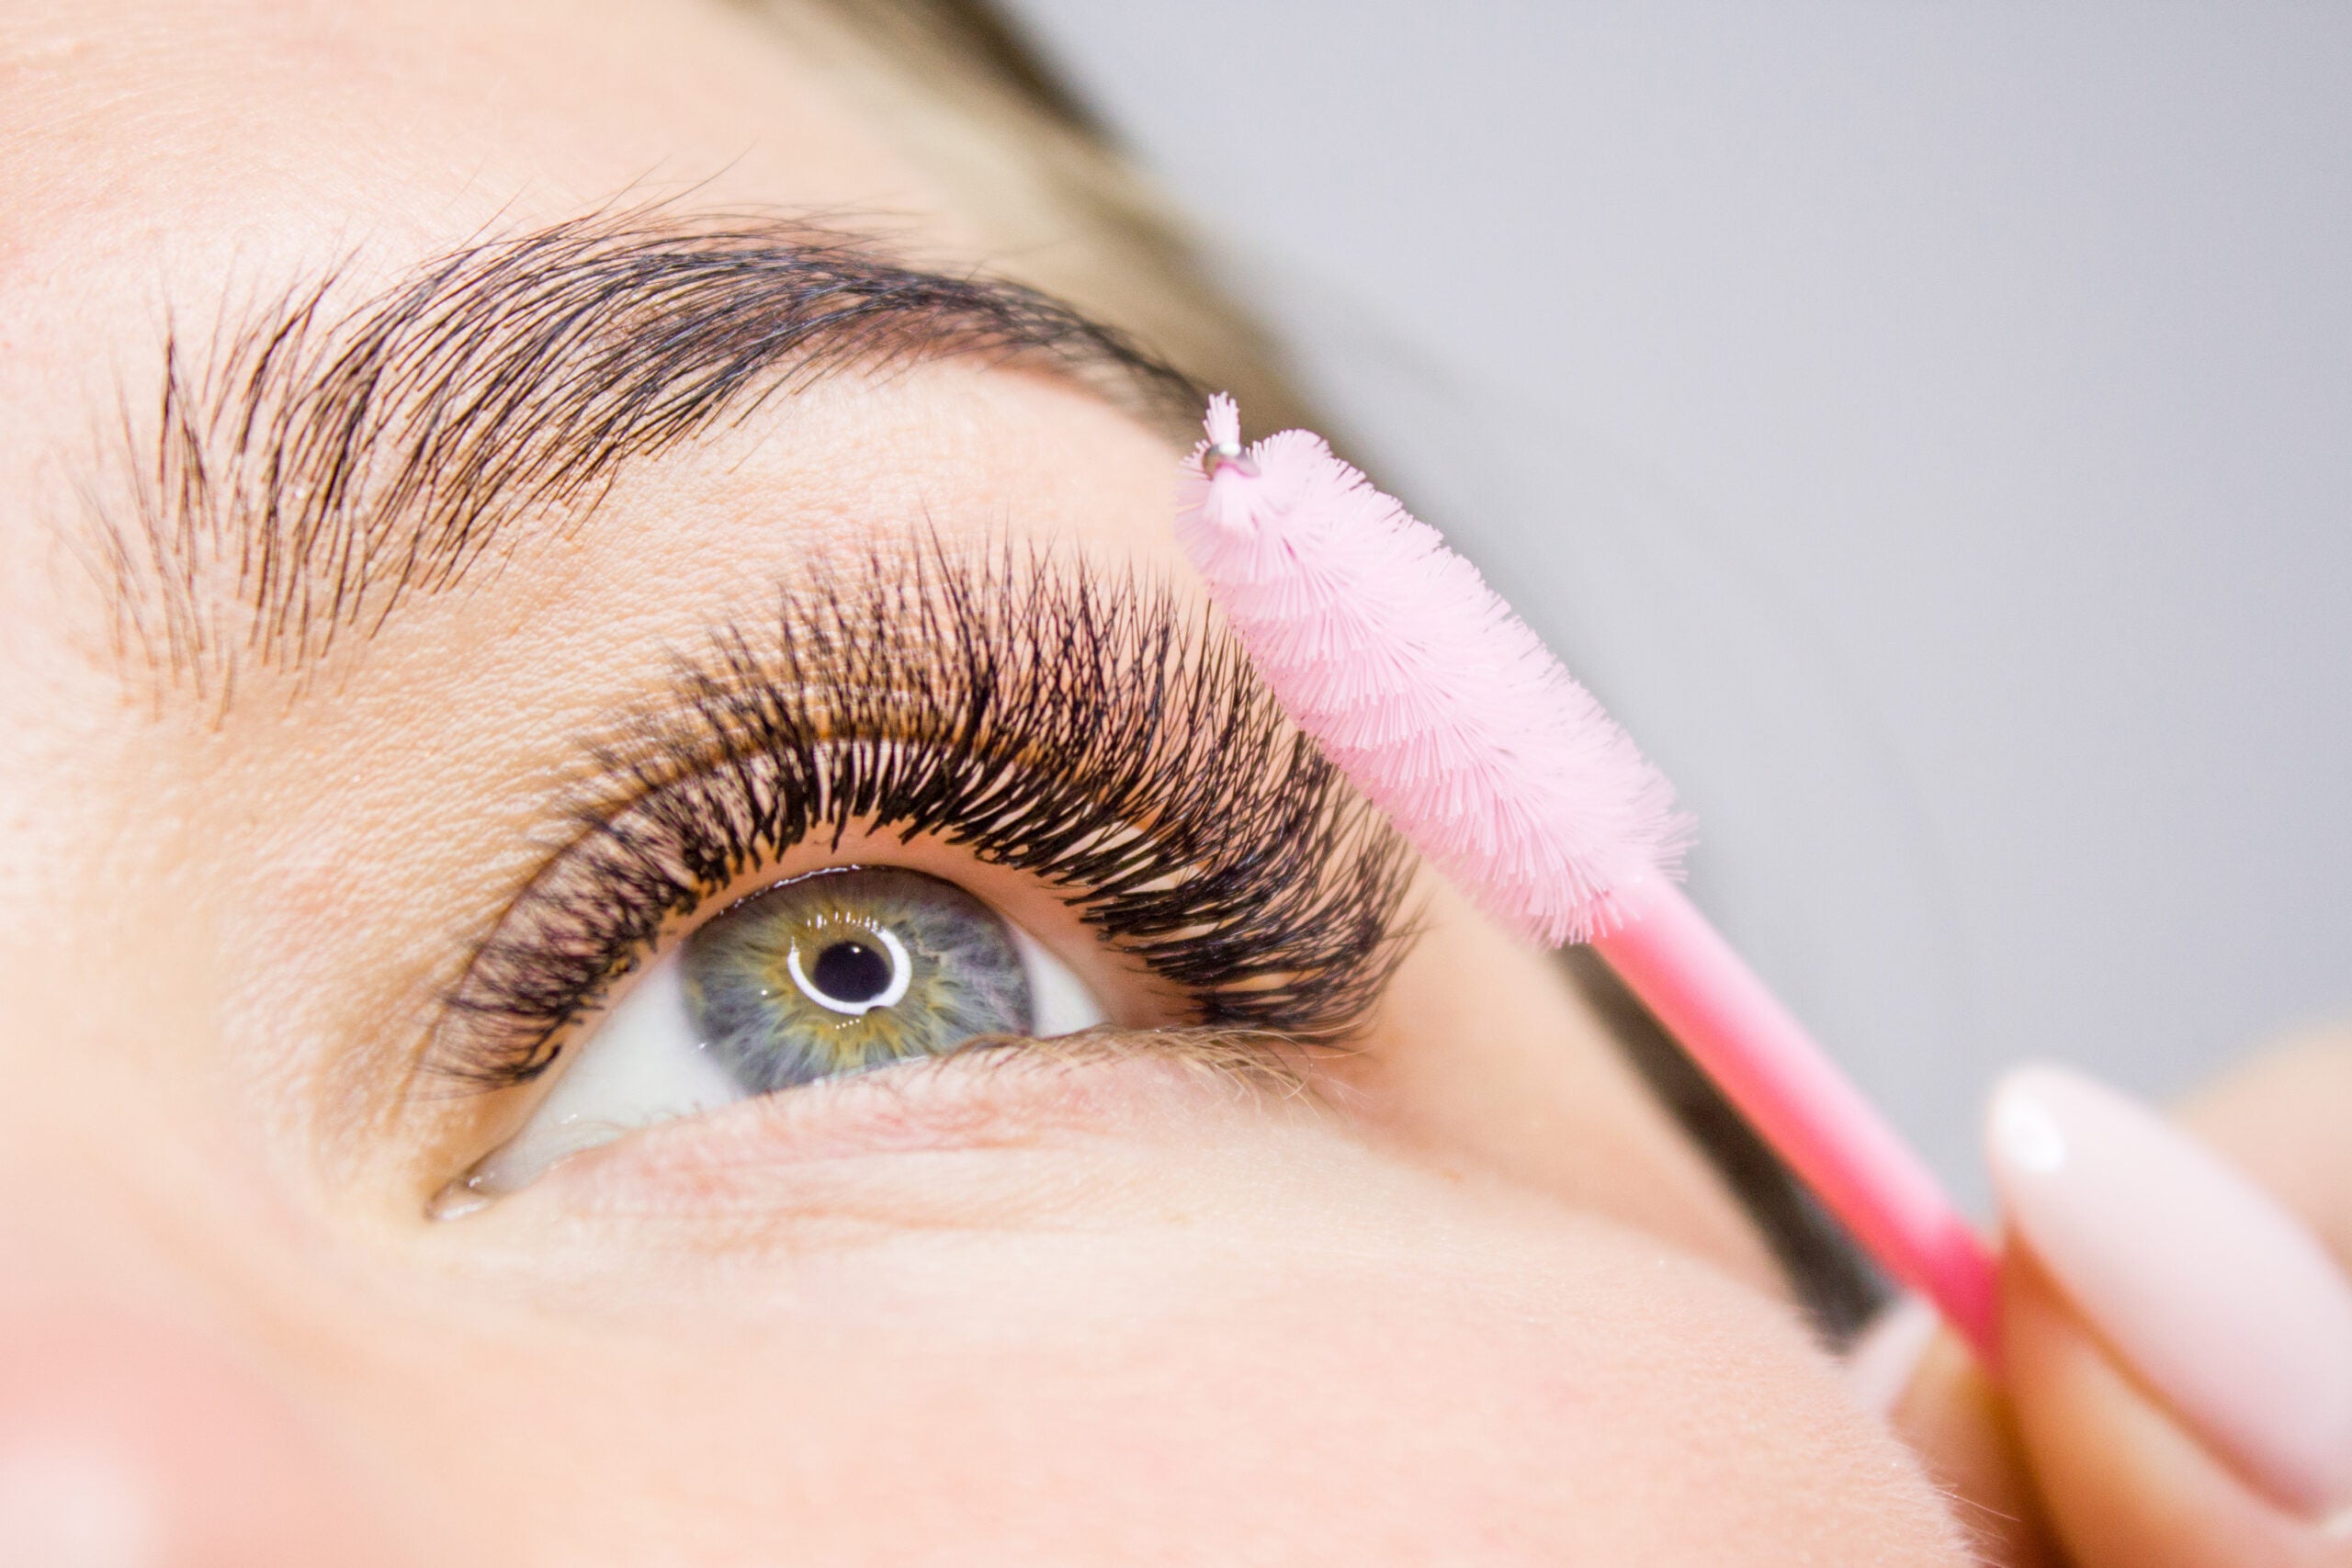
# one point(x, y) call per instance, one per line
point(847, 969)
point(735, 915)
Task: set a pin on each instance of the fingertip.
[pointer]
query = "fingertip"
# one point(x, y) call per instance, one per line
point(2123, 1482)
point(2223, 1306)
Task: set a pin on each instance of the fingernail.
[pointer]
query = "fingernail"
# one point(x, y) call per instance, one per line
point(1886, 1354)
point(2218, 1299)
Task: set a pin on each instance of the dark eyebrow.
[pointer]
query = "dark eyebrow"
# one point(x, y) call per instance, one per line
point(318, 465)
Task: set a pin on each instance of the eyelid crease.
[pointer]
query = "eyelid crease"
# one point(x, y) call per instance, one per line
point(1076, 725)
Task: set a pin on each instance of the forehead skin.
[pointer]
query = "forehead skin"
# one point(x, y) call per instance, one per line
point(1478, 1305)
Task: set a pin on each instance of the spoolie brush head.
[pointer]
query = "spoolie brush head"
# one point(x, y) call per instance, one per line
point(1423, 687)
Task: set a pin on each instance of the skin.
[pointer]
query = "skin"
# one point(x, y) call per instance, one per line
point(1472, 1299)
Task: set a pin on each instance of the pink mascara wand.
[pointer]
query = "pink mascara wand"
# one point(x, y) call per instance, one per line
point(1452, 717)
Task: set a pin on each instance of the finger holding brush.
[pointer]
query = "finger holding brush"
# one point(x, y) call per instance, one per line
point(2176, 1328)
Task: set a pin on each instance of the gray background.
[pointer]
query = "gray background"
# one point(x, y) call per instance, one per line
point(1925, 426)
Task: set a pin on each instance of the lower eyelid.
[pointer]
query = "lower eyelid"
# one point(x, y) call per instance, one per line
point(858, 1144)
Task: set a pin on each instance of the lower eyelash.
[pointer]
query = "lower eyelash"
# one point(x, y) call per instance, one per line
point(1086, 731)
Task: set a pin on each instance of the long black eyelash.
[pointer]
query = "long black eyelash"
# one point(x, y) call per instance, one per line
point(1086, 731)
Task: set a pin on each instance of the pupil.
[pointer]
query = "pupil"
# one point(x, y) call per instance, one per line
point(853, 972)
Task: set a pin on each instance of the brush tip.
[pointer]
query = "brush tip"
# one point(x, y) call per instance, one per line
point(1421, 685)
point(1223, 421)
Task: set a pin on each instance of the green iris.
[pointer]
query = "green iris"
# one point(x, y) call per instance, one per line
point(849, 968)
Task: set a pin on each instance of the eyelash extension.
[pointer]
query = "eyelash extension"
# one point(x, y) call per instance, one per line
point(1089, 732)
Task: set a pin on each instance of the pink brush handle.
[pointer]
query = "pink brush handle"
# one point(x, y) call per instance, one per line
point(1797, 1100)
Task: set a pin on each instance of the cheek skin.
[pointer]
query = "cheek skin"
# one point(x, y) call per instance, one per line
point(1233, 1336)
point(124, 1439)
point(1252, 1341)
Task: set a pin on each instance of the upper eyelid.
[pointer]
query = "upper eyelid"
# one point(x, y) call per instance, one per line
point(1063, 685)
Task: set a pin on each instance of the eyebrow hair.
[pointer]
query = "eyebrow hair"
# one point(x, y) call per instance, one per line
point(320, 465)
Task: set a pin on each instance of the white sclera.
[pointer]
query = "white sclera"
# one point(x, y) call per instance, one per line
point(646, 1064)
point(1060, 1002)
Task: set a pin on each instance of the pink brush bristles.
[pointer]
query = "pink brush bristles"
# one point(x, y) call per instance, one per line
point(1423, 687)
point(1420, 684)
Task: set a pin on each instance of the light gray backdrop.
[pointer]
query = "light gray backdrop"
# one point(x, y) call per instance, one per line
point(1929, 427)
